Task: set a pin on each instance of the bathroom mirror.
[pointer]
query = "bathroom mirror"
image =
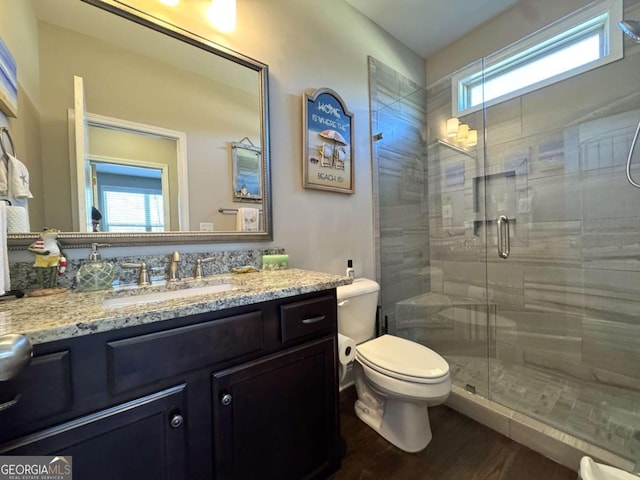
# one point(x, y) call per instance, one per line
point(140, 74)
point(247, 172)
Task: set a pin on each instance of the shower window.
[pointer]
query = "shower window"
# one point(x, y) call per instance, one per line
point(578, 43)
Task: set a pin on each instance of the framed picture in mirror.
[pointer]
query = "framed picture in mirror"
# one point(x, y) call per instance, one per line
point(246, 161)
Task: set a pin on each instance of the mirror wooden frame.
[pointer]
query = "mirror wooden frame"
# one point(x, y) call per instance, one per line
point(85, 239)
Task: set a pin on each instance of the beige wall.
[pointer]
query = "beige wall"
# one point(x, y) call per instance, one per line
point(310, 45)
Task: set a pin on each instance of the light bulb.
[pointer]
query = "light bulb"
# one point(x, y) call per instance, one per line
point(222, 15)
point(463, 131)
point(452, 127)
point(472, 138)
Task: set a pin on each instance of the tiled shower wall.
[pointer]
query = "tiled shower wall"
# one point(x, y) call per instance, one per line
point(569, 295)
point(567, 301)
point(398, 116)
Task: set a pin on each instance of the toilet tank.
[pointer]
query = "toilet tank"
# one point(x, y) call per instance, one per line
point(357, 305)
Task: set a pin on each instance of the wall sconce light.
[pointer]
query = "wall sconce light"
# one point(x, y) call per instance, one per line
point(472, 138)
point(452, 127)
point(463, 132)
point(222, 15)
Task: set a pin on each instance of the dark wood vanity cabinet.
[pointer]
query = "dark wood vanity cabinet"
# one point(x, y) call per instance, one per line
point(244, 393)
point(145, 439)
point(274, 418)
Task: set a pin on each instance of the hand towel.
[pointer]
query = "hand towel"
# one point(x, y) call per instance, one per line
point(17, 220)
point(18, 179)
point(247, 220)
point(5, 283)
point(4, 185)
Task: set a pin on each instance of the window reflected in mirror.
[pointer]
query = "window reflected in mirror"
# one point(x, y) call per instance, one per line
point(127, 199)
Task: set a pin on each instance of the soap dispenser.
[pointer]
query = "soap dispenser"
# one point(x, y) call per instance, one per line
point(94, 274)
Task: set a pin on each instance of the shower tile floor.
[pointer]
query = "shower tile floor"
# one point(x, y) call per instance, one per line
point(604, 415)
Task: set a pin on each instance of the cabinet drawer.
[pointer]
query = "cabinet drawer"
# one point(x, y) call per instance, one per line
point(138, 361)
point(43, 390)
point(313, 316)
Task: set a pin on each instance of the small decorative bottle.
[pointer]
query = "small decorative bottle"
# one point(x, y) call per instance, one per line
point(350, 271)
point(94, 274)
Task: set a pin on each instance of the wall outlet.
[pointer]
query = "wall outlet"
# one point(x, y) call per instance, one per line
point(206, 227)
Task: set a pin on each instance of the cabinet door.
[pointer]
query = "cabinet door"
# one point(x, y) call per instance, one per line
point(277, 418)
point(139, 440)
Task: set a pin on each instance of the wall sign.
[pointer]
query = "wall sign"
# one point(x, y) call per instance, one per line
point(327, 162)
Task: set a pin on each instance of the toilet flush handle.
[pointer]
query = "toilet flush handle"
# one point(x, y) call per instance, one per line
point(343, 303)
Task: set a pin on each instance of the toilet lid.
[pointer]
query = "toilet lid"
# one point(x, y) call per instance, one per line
point(403, 359)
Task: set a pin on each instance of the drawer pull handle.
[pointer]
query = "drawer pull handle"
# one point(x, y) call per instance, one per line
point(226, 399)
point(10, 403)
point(177, 420)
point(309, 321)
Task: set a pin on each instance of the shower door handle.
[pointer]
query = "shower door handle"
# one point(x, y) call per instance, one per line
point(503, 237)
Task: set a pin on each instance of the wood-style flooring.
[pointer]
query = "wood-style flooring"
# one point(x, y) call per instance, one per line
point(461, 449)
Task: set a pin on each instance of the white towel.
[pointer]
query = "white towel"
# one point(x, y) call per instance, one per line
point(18, 179)
point(17, 220)
point(247, 220)
point(4, 185)
point(5, 283)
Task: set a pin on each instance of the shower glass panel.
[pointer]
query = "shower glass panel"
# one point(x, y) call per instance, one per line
point(567, 299)
point(456, 312)
point(430, 214)
point(553, 330)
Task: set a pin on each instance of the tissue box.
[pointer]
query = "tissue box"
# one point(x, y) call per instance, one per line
point(275, 262)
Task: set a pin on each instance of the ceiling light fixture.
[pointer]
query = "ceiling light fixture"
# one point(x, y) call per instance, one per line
point(222, 15)
point(170, 3)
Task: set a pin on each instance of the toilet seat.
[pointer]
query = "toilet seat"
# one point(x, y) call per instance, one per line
point(403, 360)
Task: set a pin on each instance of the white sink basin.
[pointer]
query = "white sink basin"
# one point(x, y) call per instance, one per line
point(168, 295)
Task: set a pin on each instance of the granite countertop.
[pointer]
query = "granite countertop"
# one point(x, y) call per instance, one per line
point(72, 314)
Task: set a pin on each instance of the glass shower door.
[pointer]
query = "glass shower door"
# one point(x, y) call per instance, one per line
point(566, 337)
point(455, 308)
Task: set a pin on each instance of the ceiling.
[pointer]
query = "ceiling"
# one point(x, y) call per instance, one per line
point(426, 26)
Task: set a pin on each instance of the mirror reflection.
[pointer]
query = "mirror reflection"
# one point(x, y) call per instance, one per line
point(130, 173)
point(247, 172)
point(135, 126)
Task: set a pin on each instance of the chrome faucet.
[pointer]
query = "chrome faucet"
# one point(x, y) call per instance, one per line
point(174, 275)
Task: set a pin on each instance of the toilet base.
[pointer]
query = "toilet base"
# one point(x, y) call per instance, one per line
point(401, 421)
point(403, 424)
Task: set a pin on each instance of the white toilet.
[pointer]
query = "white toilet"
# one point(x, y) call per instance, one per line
point(590, 470)
point(396, 379)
